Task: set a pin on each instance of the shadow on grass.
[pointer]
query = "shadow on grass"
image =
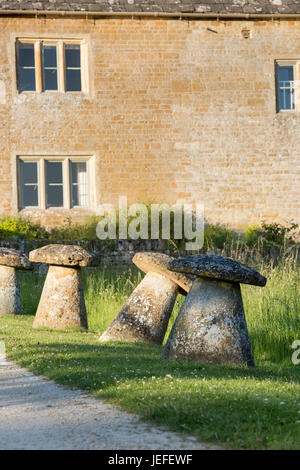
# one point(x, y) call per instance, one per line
point(136, 360)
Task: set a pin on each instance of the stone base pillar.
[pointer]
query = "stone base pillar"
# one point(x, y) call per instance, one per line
point(145, 315)
point(62, 302)
point(211, 326)
point(10, 303)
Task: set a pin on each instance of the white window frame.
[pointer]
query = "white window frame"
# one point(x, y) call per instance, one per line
point(295, 63)
point(42, 184)
point(61, 70)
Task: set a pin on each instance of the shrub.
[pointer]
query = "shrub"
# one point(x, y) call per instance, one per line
point(216, 236)
point(18, 227)
point(272, 235)
point(75, 231)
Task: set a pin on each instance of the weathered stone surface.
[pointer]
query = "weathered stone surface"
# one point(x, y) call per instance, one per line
point(158, 263)
point(10, 260)
point(211, 326)
point(10, 303)
point(145, 316)
point(217, 267)
point(62, 255)
point(62, 302)
point(14, 258)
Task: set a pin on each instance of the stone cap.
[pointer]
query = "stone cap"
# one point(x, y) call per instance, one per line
point(158, 263)
point(14, 259)
point(62, 255)
point(217, 267)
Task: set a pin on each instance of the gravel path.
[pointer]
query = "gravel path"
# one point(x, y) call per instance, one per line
point(36, 413)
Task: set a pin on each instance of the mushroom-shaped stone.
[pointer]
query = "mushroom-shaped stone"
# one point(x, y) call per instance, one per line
point(211, 325)
point(145, 315)
point(62, 303)
point(10, 261)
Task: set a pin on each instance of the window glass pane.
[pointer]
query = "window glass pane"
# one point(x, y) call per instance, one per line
point(26, 55)
point(72, 54)
point(286, 73)
point(79, 184)
point(49, 64)
point(73, 72)
point(54, 172)
point(55, 196)
point(286, 99)
point(54, 184)
point(49, 56)
point(50, 79)
point(27, 80)
point(29, 172)
point(26, 66)
point(73, 80)
point(29, 184)
point(30, 196)
point(285, 87)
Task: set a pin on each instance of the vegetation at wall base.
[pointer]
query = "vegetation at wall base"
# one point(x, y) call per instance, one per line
point(269, 238)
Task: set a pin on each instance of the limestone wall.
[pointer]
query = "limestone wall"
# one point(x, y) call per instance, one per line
point(175, 110)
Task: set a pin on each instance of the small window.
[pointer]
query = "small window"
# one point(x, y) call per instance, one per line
point(285, 81)
point(29, 184)
point(26, 67)
point(54, 184)
point(79, 184)
point(49, 67)
point(73, 71)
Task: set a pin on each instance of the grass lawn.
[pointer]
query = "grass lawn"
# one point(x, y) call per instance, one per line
point(234, 407)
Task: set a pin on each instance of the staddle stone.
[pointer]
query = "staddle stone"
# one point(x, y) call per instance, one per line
point(211, 325)
point(10, 261)
point(14, 259)
point(145, 315)
point(62, 303)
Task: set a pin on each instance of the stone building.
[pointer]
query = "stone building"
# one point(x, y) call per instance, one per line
point(156, 100)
